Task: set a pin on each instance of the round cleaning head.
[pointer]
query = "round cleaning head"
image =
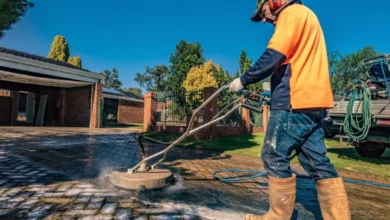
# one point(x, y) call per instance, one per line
point(151, 179)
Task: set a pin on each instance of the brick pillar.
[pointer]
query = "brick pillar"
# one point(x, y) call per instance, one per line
point(210, 111)
point(205, 115)
point(265, 116)
point(97, 98)
point(149, 110)
point(118, 112)
point(62, 106)
point(246, 120)
point(199, 119)
point(14, 107)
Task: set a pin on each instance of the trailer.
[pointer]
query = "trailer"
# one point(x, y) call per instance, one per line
point(364, 115)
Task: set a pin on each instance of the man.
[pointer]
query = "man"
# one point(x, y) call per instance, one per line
point(296, 57)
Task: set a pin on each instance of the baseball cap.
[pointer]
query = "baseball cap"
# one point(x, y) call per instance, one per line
point(256, 17)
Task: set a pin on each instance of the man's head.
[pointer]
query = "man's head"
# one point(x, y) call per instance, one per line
point(267, 10)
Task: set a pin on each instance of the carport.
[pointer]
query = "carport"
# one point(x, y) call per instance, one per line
point(37, 91)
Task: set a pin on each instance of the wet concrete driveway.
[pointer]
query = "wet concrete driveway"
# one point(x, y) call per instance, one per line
point(61, 173)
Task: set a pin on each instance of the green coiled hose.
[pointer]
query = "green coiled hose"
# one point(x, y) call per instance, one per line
point(355, 126)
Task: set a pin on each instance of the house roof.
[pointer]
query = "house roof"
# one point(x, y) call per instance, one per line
point(19, 62)
point(116, 94)
point(119, 97)
point(38, 58)
point(36, 80)
point(112, 91)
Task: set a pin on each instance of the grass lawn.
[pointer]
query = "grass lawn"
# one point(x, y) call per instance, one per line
point(341, 155)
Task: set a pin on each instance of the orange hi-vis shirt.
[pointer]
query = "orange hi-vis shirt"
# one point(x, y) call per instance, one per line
point(296, 57)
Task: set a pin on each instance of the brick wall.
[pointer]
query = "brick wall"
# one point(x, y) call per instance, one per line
point(257, 130)
point(170, 129)
point(5, 110)
point(77, 107)
point(130, 112)
point(230, 131)
point(221, 131)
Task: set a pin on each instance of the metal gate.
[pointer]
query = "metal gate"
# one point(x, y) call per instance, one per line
point(172, 109)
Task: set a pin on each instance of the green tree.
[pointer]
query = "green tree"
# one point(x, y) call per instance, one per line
point(153, 79)
point(111, 79)
point(222, 77)
point(59, 49)
point(345, 69)
point(10, 13)
point(228, 77)
point(132, 91)
point(186, 56)
point(245, 64)
point(75, 61)
point(237, 74)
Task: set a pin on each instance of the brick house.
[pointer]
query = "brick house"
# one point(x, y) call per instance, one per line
point(122, 108)
point(37, 91)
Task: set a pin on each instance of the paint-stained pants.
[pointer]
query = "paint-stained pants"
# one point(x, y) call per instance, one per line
point(300, 131)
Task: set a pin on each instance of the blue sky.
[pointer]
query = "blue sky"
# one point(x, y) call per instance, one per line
point(130, 34)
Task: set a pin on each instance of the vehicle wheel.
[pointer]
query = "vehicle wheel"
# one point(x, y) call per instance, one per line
point(371, 149)
point(330, 135)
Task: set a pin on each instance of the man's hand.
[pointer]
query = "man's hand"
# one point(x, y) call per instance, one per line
point(235, 86)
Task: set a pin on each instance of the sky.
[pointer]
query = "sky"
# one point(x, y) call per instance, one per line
point(131, 34)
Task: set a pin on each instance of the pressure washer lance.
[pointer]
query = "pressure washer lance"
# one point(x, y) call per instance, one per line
point(149, 177)
point(260, 98)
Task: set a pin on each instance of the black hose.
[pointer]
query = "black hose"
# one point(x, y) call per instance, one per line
point(141, 145)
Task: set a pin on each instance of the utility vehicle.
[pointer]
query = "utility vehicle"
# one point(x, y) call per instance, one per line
point(364, 113)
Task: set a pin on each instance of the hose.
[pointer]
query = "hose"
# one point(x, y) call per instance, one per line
point(257, 173)
point(356, 127)
point(238, 179)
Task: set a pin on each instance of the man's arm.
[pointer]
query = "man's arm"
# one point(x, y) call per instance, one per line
point(279, 50)
point(264, 67)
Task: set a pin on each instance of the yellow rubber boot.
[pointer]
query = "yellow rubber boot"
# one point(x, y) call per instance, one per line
point(333, 199)
point(282, 193)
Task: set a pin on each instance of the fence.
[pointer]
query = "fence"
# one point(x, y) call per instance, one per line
point(170, 114)
point(172, 109)
point(235, 118)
